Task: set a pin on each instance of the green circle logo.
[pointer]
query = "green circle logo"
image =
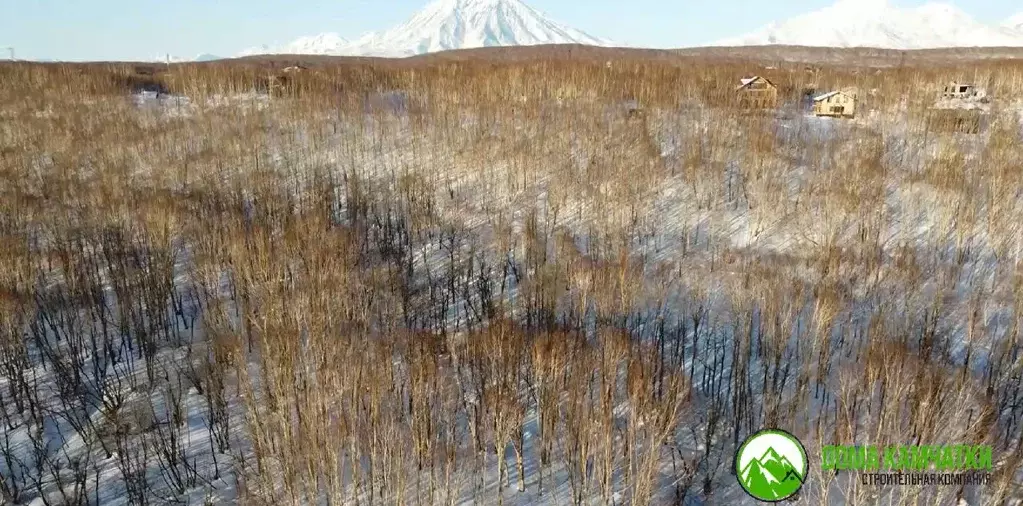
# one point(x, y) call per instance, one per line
point(771, 465)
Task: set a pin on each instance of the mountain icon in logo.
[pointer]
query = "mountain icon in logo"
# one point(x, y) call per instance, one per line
point(771, 465)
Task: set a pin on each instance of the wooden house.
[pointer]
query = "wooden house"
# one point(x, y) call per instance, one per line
point(959, 91)
point(757, 92)
point(836, 104)
point(960, 109)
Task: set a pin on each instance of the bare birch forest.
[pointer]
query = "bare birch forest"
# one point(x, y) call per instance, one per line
point(497, 283)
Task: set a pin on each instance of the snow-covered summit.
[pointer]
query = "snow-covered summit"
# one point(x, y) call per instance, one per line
point(324, 43)
point(1015, 22)
point(460, 24)
point(448, 24)
point(876, 23)
point(169, 58)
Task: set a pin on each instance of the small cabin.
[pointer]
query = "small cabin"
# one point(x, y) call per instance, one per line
point(836, 104)
point(959, 91)
point(757, 92)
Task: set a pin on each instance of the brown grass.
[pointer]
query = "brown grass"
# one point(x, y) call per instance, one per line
point(498, 283)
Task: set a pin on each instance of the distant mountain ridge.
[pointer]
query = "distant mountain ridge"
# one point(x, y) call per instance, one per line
point(444, 25)
point(324, 43)
point(876, 23)
point(1015, 22)
point(180, 59)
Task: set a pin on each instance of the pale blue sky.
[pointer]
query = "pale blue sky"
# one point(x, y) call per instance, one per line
point(142, 29)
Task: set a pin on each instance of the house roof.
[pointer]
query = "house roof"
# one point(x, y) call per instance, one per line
point(746, 81)
point(833, 93)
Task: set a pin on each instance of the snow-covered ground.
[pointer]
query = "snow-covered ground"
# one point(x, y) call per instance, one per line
point(175, 106)
point(695, 224)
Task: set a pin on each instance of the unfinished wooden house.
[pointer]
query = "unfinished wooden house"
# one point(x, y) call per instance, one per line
point(757, 92)
point(836, 104)
point(959, 91)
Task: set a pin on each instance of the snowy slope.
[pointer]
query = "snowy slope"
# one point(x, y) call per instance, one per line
point(182, 59)
point(448, 24)
point(875, 23)
point(324, 43)
point(459, 24)
point(1015, 22)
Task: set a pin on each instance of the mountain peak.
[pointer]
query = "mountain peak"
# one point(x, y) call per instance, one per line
point(474, 3)
point(324, 43)
point(1015, 22)
point(770, 476)
point(461, 24)
point(770, 455)
point(449, 24)
point(876, 23)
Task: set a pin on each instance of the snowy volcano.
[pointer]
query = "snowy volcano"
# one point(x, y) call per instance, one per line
point(875, 23)
point(448, 24)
